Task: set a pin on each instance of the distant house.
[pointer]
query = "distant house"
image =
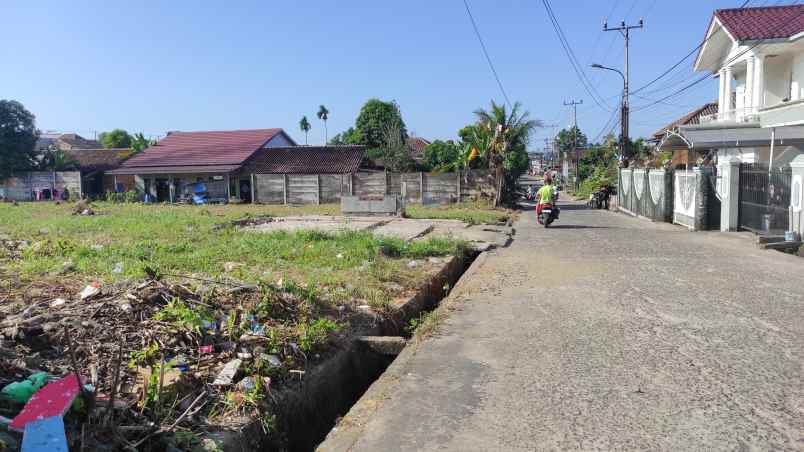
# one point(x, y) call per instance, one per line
point(417, 146)
point(65, 142)
point(94, 165)
point(225, 161)
point(670, 138)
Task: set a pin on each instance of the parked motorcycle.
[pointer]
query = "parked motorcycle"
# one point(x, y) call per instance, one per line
point(599, 199)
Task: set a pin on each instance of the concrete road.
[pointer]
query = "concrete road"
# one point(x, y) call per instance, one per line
point(603, 332)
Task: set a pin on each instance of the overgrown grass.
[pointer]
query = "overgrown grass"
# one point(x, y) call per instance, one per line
point(476, 212)
point(199, 240)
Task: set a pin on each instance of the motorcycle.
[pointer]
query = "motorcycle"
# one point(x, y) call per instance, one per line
point(548, 214)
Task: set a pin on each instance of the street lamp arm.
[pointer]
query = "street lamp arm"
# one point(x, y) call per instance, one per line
point(600, 66)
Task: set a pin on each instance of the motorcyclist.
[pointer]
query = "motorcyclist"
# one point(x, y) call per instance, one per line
point(546, 195)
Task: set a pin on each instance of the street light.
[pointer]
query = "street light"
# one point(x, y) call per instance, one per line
point(624, 109)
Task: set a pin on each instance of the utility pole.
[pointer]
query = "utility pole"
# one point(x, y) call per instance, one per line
point(624, 30)
point(574, 104)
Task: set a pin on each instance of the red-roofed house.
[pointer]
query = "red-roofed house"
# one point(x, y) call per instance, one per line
point(167, 170)
point(758, 55)
point(757, 129)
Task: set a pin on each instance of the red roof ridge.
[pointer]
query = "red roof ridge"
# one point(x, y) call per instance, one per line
point(758, 8)
point(270, 129)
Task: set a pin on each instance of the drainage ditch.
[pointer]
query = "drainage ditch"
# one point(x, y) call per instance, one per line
point(309, 411)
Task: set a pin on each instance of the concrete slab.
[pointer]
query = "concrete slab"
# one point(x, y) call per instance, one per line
point(405, 229)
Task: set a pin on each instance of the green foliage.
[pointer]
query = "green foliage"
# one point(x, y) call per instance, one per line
point(56, 160)
point(18, 137)
point(123, 197)
point(117, 138)
point(305, 127)
point(444, 156)
point(569, 138)
point(184, 316)
point(349, 136)
point(144, 357)
point(314, 335)
point(601, 177)
point(139, 143)
point(371, 125)
point(474, 212)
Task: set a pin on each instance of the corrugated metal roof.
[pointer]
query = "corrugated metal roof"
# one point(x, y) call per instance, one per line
point(178, 169)
point(203, 148)
point(763, 23)
point(691, 118)
point(307, 160)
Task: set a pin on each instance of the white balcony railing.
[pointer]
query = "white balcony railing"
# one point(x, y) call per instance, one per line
point(740, 115)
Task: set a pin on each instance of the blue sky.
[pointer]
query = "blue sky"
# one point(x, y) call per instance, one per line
point(156, 66)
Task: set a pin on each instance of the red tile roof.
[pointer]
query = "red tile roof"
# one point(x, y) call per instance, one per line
point(203, 148)
point(762, 23)
point(307, 160)
point(693, 117)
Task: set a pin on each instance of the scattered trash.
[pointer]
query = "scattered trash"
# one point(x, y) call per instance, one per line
point(67, 267)
point(96, 247)
point(52, 400)
point(57, 302)
point(45, 435)
point(90, 290)
point(271, 360)
point(339, 256)
point(247, 384)
point(413, 264)
point(118, 268)
point(206, 349)
point(231, 266)
point(22, 391)
point(227, 375)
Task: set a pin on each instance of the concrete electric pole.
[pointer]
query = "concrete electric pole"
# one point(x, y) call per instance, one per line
point(574, 104)
point(625, 30)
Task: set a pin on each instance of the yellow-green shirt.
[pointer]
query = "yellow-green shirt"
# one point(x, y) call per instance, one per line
point(546, 194)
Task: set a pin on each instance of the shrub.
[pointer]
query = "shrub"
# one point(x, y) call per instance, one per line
point(121, 197)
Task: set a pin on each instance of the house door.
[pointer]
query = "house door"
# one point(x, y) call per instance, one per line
point(764, 198)
point(162, 190)
point(245, 190)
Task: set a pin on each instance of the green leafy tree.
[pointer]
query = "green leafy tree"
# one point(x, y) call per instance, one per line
point(444, 156)
point(117, 138)
point(349, 136)
point(394, 151)
point(305, 127)
point(139, 143)
point(18, 137)
point(373, 121)
point(56, 160)
point(508, 134)
point(568, 139)
point(323, 115)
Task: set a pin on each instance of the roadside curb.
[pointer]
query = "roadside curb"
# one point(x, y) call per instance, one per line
point(349, 430)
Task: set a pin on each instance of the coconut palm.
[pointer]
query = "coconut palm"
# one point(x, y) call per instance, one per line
point(509, 132)
point(305, 127)
point(323, 114)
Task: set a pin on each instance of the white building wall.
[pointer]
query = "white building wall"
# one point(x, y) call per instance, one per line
point(777, 79)
point(797, 86)
point(278, 141)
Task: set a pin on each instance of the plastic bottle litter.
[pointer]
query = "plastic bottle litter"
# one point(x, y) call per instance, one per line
point(90, 291)
point(22, 391)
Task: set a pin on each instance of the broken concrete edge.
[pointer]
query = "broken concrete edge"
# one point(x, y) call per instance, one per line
point(247, 434)
point(386, 345)
point(348, 431)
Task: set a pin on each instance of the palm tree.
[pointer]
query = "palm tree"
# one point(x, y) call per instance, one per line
point(305, 127)
point(323, 114)
point(507, 131)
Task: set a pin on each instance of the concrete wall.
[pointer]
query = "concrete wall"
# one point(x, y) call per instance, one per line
point(23, 186)
point(330, 188)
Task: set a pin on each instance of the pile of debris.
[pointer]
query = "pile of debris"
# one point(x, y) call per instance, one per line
point(161, 363)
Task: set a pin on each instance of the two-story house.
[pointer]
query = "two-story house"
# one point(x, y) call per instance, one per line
point(758, 56)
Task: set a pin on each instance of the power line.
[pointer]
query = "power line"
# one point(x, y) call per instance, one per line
point(708, 76)
point(587, 85)
point(486, 54)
